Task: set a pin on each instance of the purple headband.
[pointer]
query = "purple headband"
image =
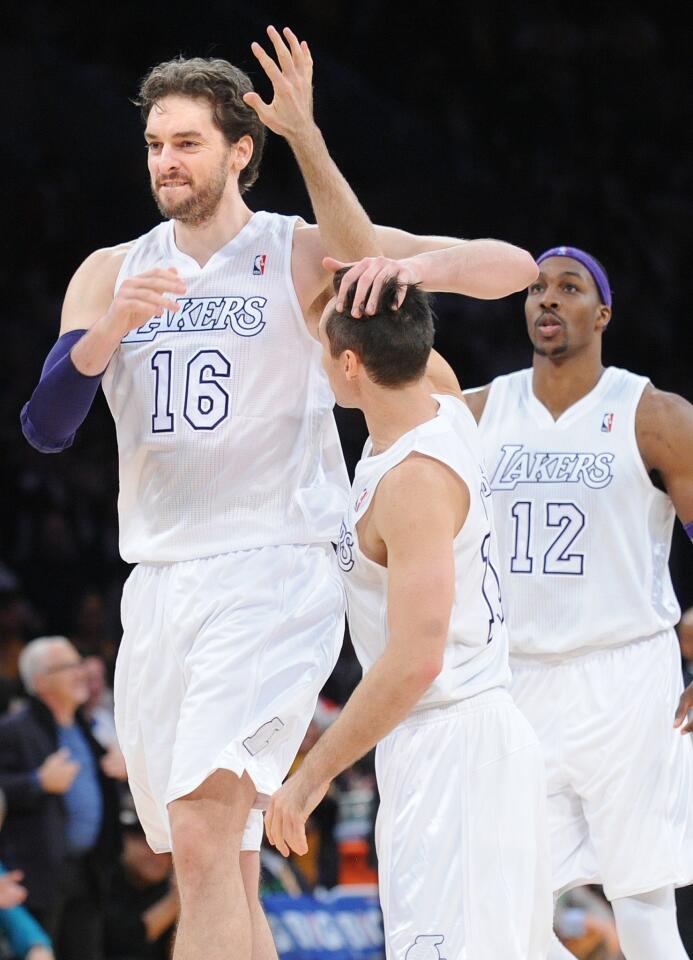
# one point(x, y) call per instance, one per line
point(598, 275)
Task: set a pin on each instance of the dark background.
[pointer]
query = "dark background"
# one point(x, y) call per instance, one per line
point(543, 126)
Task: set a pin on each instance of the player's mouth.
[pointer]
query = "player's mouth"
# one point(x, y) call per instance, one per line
point(172, 184)
point(549, 325)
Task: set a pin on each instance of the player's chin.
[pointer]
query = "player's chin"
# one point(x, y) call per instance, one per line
point(546, 349)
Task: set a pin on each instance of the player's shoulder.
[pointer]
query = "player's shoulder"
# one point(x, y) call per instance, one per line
point(417, 484)
point(105, 261)
point(92, 286)
point(663, 412)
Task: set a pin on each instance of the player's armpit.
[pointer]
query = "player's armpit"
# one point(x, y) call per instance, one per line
point(475, 399)
point(90, 291)
point(664, 430)
point(420, 508)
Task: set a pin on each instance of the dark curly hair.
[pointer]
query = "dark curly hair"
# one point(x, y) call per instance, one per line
point(222, 85)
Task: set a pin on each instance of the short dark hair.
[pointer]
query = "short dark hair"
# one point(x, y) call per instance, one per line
point(394, 343)
point(222, 85)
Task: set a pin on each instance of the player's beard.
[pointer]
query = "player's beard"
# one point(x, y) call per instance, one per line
point(558, 351)
point(202, 204)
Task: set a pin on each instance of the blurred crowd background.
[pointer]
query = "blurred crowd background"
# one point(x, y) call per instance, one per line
point(555, 124)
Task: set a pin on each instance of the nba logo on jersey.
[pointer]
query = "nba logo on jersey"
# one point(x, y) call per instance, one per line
point(607, 422)
point(259, 264)
point(362, 497)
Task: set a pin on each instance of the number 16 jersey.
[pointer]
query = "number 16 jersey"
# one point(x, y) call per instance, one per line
point(583, 535)
point(226, 437)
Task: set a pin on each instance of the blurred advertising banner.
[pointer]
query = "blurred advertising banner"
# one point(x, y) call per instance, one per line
point(336, 928)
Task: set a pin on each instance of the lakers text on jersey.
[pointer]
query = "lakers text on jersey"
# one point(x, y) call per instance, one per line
point(223, 414)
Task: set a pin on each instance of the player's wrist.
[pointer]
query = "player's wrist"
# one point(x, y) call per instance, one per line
point(307, 142)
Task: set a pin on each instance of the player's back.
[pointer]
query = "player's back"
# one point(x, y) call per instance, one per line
point(476, 654)
point(223, 414)
point(583, 534)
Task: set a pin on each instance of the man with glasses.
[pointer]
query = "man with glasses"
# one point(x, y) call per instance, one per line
point(62, 809)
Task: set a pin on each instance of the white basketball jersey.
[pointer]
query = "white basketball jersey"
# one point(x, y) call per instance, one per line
point(223, 413)
point(583, 534)
point(476, 654)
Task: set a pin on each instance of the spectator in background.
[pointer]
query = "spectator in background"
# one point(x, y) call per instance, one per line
point(62, 822)
point(24, 937)
point(143, 905)
point(98, 711)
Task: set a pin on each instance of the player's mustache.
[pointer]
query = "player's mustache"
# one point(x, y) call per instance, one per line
point(160, 181)
point(548, 313)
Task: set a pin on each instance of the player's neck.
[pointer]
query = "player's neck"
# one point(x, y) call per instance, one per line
point(390, 413)
point(558, 383)
point(201, 241)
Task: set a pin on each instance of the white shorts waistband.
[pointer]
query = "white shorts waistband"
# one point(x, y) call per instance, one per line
point(445, 711)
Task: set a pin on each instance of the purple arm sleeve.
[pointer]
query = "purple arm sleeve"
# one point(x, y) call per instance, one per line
point(61, 400)
point(688, 527)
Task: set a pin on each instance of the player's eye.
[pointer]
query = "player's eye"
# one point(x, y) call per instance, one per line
point(189, 143)
point(535, 288)
point(570, 287)
point(152, 147)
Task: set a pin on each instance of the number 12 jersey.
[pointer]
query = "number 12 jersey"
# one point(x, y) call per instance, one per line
point(583, 535)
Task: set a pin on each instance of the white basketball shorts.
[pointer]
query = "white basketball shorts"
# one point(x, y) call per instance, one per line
point(461, 835)
point(220, 667)
point(620, 777)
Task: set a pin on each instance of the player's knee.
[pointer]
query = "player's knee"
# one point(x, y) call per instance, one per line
point(195, 843)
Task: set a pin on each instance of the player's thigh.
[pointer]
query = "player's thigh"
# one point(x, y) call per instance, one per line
point(634, 770)
point(254, 672)
point(461, 834)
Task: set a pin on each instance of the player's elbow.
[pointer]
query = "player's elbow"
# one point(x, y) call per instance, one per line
point(428, 670)
point(525, 268)
point(514, 270)
point(423, 668)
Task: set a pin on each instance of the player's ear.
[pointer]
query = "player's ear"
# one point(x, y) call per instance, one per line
point(241, 153)
point(603, 317)
point(351, 364)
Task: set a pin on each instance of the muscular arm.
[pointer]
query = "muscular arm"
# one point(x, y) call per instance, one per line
point(94, 321)
point(419, 508)
point(485, 269)
point(344, 227)
point(664, 431)
point(478, 268)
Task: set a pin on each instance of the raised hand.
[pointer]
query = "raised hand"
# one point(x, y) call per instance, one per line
point(290, 114)
point(12, 893)
point(144, 296)
point(370, 276)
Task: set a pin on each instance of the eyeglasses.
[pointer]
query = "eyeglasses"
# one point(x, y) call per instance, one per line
point(62, 667)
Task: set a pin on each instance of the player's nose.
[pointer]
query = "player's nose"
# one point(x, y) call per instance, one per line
point(550, 298)
point(168, 159)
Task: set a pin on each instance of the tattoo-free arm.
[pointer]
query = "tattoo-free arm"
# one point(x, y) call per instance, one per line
point(664, 429)
point(419, 507)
